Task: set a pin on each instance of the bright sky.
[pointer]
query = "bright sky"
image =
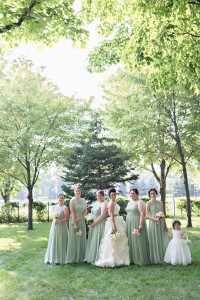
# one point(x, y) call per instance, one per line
point(66, 67)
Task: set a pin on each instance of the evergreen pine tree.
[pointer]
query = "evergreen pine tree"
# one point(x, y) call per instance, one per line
point(97, 163)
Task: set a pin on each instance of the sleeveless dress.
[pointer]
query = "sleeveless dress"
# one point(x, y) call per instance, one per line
point(57, 245)
point(158, 238)
point(113, 252)
point(95, 235)
point(138, 245)
point(77, 244)
point(178, 252)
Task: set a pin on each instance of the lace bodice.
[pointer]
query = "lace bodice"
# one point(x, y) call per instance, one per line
point(176, 234)
point(154, 208)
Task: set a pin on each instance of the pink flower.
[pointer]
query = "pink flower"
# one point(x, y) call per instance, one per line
point(136, 232)
point(160, 214)
point(56, 215)
point(79, 232)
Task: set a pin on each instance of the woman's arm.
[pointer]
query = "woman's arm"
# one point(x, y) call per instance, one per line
point(84, 214)
point(111, 209)
point(102, 215)
point(148, 215)
point(66, 218)
point(142, 210)
point(166, 228)
point(73, 214)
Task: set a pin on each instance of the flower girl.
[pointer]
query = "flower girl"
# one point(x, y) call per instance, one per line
point(177, 252)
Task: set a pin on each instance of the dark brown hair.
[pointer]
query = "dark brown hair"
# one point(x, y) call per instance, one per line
point(176, 222)
point(135, 190)
point(154, 190)
point(111, 190)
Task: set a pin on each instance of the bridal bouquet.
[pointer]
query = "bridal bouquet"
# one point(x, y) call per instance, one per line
point(89, 219)
point(116, 235)
point(160, 214)
point(136, 232)
point(56, 216)
point(79, 232)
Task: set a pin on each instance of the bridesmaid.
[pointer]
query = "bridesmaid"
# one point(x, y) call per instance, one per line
point(96, 230)
point(57, 245)
point(138, 244)
point(77, 243)
point(158, 239)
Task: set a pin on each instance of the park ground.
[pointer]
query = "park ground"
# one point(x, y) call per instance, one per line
point(23, 274)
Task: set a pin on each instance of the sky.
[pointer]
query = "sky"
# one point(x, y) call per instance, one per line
point(66, 67)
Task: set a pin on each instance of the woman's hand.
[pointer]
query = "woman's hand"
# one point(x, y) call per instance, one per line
point(56, 221)
point(140, 227)
point(77, 219)
point(75, 227)
point(114, 228)
point(92, 224)
point(157, 219)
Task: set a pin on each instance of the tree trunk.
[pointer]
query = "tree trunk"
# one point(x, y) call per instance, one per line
point(30, 208)
point(6, 197)
point(163, 184)
point(30, 197)
point(189, 224)
point(183, 164)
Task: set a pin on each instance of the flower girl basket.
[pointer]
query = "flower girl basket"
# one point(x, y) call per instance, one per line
point(187, 241)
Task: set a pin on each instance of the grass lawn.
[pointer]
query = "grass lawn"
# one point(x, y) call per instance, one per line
point(23, 274)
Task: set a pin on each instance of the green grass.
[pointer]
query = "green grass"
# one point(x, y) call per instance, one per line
point(23, 274)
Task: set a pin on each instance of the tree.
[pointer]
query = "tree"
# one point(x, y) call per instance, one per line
point(8, 187)
point(43, 22)
point(37, 124)
point(97, 163)
point(158, 125)
point(147, 33)
point(135, 126)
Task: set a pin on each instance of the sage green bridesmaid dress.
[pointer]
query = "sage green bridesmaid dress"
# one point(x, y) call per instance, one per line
point(77, 244)
point(138, 245)
point(95, 235)
point(158, 239)
point(57, 245)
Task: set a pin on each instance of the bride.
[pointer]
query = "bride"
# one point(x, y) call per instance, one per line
point(114, 250)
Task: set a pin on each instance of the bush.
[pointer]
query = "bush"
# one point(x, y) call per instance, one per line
point(40, 209)
point(195, 206)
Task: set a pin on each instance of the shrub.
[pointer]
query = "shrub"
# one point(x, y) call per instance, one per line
point(40, 209)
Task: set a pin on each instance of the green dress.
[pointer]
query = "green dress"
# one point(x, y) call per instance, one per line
point(77, 244)
point(95, 235)
point(138, 245)
point(158, 239)
point(57, 245)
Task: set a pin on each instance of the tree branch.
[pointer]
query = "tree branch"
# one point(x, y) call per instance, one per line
point(21, 20)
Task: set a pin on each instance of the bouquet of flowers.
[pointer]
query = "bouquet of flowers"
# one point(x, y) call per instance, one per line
point(89, 219)
point(116, 235)
point(136, 232)
point(79, 232)
point(56, 216)
point(160, 214)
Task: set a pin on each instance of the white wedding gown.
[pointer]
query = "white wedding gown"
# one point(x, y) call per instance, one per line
point(113, 252)
point(177, 251)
